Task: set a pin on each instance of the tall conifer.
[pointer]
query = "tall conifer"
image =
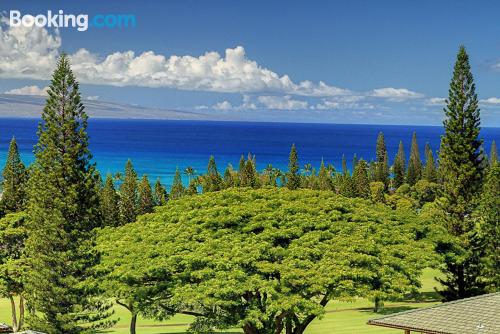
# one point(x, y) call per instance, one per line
point(14, 181)
point(128, 195)
point(361, 182)
point(63, 210)
point(159, 193)
point(145, 196)
point(461, 167)
point(110, 208)
point(429, 173)
point(493, 154)
point(399, 167)
point(177, 190)
point(382, 167)
point(293, 177)
point(414, 164)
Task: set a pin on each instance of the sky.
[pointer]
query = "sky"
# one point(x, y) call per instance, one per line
point(384, 62)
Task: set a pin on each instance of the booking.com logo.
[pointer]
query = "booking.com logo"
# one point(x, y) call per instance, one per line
point(81, 21)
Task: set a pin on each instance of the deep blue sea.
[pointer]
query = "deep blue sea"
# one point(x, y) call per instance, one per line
point(157, 147)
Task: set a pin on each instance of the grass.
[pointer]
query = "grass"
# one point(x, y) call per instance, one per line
point(342, 317)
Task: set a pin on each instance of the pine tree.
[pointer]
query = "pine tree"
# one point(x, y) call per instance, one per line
point(14, 181)
point(354, 161)
point(241, 167)
point(361, 182)
point(489, 229)
point(429, 173)
point(110, 208)
point(63, 210)
point(146, 200)
point(212, 181)
point(324, 180)
point(128, 195)
point(382, 167)
point(461, 163)
point(293, 177)
point(344, 166)
point(414, 164)
point(399, 167)
point(493, 154)
point(160, 194)
point(177, 190)
point(228, 177)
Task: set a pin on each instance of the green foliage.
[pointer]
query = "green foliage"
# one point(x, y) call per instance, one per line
point(493, 154)
point(14, 181)
point(160, 195)
point(128, 195)
point(212, 181)
point(62, 212)
point(146, 200)
point(13, 236)
point(425, 191)
point(489, 228)
point(429, 173)
point(177, 190)
point(382, 166)
point(249, 175)
point(265, 259)
point(461, 168)
point(377, 192)
point(399, 167)
point(110, 208)
point(361, 182)
point(293, 177)
point(414, 164)
point(324, 178)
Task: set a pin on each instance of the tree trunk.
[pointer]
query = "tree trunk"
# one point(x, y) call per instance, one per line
point(133, 323)
point(21, 312)
point(14, 313)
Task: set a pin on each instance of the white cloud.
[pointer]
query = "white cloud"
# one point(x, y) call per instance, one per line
point(395, 94)
point(28, 90)
point(491, 100)
point(435, 101)
point(92, 98)
point(32, 53)
point(343, 102)
point(224, 105)
point(282, 102)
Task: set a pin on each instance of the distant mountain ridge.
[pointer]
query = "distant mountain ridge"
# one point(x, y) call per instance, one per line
point(27, 106)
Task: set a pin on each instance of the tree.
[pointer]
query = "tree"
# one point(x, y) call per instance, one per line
point(14, 181)
point(324, 179)
point(377, 192)
point(461, 164)
point(146, 200)
point(110, 208)
point(489, 229)
point(230, 275)
point(361, 182)
point(128, 195)
point(430, 172)
point(190, 172)
point(212, 181)
point(382, 167)
point(177, 190)
point(345, 171)
point(160, 195)
point(12, 240)
point(293, 177)
point(399, 167)
point(493, 153)
point(414, 164)
point(62, 213)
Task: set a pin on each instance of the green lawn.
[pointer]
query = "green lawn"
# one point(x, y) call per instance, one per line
point(342, 317)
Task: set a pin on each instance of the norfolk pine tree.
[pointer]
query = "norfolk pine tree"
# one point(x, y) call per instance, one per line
point(361, 182)
point(145, 197)
point(293, 177)
point(110, 209)
point(128, 195)
point(429, 172)
point(382, 167)
point(399, 167)
point(159, 193)
point(63, 210)
point(461, 168)
point(14, 181)
point(414, 163)
point(177, 188)
point(493, 154)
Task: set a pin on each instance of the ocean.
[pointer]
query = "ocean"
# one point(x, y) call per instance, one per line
point(158, 147)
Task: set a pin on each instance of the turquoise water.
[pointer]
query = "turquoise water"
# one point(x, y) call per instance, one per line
point(157, 147)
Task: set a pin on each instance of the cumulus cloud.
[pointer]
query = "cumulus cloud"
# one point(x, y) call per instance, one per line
point(92, 98)
point(395, 94)
point(435, 101)
point(224, 105)
point(491, 100)
point(282, 102)
point(32, 53)
point(343, 102)
point(28, 90)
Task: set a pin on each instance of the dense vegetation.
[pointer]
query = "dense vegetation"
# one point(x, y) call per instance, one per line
point(262, 250)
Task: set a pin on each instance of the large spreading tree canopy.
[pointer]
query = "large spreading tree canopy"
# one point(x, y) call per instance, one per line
point(265, 260)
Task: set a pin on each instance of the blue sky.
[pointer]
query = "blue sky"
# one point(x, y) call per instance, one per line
point(379, 61)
